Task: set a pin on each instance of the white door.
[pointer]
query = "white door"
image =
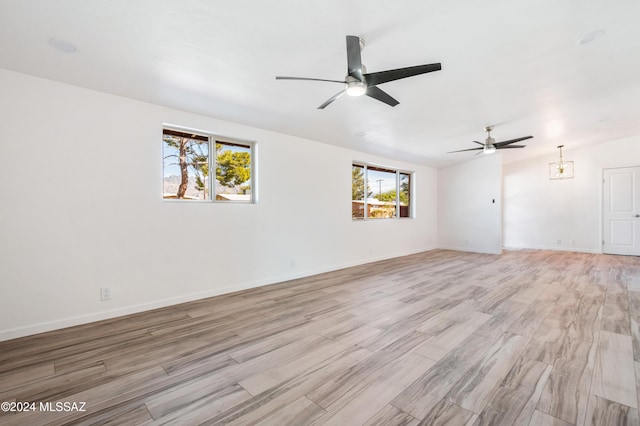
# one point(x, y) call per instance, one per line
point(621, 211)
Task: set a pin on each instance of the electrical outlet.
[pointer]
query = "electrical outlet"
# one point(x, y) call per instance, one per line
point(558, 242)
point(105, 293)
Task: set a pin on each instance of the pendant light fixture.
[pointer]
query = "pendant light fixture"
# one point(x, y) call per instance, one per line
point(562, 169)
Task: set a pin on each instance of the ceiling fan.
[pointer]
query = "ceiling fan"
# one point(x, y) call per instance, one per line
point(358, 82)
point(490, 145)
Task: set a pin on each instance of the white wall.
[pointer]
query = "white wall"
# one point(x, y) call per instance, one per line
point(539, 212)
point(468, 219)
point(82, 209)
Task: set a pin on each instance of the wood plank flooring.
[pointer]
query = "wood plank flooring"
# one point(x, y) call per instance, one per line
point(441, 337)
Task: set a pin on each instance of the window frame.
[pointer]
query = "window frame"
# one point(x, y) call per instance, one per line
point(382, 168)
point(212, 139)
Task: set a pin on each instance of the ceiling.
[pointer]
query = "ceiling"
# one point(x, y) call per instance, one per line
point(515, 65)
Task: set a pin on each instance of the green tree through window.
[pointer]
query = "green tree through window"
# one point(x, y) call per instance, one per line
point(390, 197)
point(188, 164)
point(233, 168)
point(190, 153)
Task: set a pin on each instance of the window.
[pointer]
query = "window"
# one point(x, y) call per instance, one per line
point(189, 157)
point(358, 192)
point(405, 194)
point(379, 192)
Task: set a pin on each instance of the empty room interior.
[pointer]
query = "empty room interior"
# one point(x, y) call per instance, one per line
point(179, 246)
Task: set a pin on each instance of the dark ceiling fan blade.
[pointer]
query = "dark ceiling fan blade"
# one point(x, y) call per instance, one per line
point(354, 60)
point(510, 146)
point(279, 77)
point(510, 141)
point(375, 78)
point(381, 95)
point(462, 150)
point(331, 99)
point(479, 143)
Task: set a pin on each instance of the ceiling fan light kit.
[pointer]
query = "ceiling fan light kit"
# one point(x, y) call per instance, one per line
point(358, 82)
point(489, 149)
point(561, 169)
point(355, 87)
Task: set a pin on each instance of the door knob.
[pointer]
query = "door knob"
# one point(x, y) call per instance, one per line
point(638, 215)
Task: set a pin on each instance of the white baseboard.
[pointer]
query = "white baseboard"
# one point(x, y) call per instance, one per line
point(555, 248)
point(470, 249)
point(57, 324)
point(111, 313)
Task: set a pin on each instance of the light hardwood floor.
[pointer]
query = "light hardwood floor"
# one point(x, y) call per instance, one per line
point(442, 337)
